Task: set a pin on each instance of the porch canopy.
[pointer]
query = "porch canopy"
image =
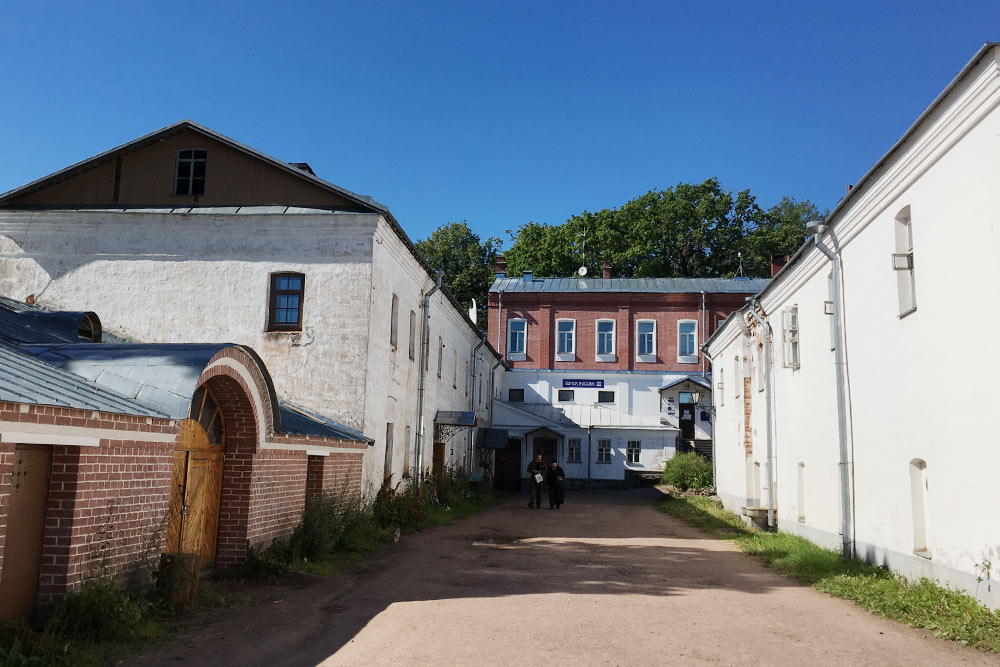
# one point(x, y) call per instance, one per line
point(449, 422)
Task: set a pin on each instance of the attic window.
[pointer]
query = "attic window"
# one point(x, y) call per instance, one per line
point(190, 178)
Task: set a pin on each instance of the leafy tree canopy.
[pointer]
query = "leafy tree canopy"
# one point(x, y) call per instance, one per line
point(466, 259)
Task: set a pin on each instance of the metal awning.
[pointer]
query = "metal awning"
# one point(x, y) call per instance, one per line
point(447, 423)
point(492, 438)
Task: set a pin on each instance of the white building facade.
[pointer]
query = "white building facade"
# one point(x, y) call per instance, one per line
point(841, 428)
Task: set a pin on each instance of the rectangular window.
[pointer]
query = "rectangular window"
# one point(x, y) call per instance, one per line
point(515, 395)
point(440, 355)
point(633, 451)
point(413, 335)
point(604, 451)
point(387, 467)
point(394, 322)
point(761, 368)
point(517, 330)
point(605, 340)
point(737, 377)
point(454, 372)
point(573, 450)
point(790, 337)
point(285, 311)
point(566, 395)
point(189, 178)
point(565, 340)
point(687, 342)
point(902, 263)
point(721, 391)
point(605, 397)
point(645, 340)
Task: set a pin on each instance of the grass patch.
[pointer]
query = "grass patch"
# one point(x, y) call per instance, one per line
point(920, 604)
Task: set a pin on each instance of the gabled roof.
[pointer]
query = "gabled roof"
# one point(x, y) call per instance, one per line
point(363, 201)
point(630, 285)
point(699, 380)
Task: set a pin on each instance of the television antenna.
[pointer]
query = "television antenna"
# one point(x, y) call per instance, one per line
point(740, 271)
point(582, 271)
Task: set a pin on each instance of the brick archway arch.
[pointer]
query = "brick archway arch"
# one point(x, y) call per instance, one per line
point(246, 399)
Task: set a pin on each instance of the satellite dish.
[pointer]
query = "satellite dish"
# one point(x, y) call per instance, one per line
point(582, 271)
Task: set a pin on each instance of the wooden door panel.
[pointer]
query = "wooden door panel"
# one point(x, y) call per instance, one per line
point(201, 500)
point(176, 502)
point(25, 527)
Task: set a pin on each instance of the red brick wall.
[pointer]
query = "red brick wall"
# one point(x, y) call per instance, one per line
point(277, 494)
point(542, 310)
point(338, 473)
point(107, 512)
point(6, 470)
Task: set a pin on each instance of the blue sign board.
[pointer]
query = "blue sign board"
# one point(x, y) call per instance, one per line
point(592, 384)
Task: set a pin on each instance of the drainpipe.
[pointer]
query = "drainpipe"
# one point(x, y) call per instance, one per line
point(500, 320)
point(704, 330)
point(493, 369)
point(767, 408)
point(590, 444)
point(472, 400)
point(422, 374)
point(715, 476)
point(847, 526)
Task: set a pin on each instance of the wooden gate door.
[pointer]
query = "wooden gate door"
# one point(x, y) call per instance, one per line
point(197, 488)
point(25, 525)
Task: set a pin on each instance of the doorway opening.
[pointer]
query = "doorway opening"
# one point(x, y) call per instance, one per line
point(22, 561)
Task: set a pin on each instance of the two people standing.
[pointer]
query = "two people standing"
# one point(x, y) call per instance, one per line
point(553, 477)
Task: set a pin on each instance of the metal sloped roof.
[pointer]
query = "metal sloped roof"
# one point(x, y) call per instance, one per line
point(25, 379)
point(40, 326)
point(697, 379)
point(630, 285)
point(299, 421)
point(585, 416)
point(455, 418)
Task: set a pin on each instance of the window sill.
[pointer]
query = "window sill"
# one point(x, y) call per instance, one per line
point(907, 312)
point(923, 553)
point(603, 463)
point(606, 358)
point(646, 358)
point(688, 359)
point(566, 356)
point(516, 356)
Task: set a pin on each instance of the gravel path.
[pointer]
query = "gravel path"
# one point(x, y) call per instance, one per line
point(606, 580)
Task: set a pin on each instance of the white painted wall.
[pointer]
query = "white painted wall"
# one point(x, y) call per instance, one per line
point(165, 277)
point(920, 386)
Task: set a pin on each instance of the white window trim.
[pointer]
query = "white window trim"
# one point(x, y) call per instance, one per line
point(560, 400)
point(645, 358)
point(721, 392)
point(687, 358)
point(571, 355)
point(517, 356)
point(614, 341)
point(737, 377)
point(628, 452)
point(902, 263)
point(579, 450)
point(790, 338)
point(610, 449)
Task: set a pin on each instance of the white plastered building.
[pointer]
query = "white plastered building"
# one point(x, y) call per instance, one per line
point(872, 426)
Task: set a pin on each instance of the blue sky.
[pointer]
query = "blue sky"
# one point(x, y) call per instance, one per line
point(494, 113)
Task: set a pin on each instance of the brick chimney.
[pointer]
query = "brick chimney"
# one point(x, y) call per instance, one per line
point(606, 270)
point(777, 262)
point(501, 270)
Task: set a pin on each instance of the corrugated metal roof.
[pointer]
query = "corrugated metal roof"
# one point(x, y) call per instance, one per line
point(25, 379)
point(697, 379)
point(39, 326)
point(455, 418)
point(584, 416)
point(299, 421)
point(631, 285)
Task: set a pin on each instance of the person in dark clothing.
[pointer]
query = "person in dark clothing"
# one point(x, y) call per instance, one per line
point(555, 479)
point(536, 473)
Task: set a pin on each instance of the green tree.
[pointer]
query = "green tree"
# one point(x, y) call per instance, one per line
point(781, 232)
point(466, 259)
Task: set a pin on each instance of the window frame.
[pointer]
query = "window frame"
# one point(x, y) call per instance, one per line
point(571, 354)
point(630, 450)
point(413, 335)
point(510, 396)
point(562, 393)
point(790, 351)
point(606, 460)
point(394, 322)
point(902, 262)
point(647, 357)
point(523, 354)
point(606, 391)
point(687, 358)
point(272, 301)
point(440, 356)
point(190, 177)
point(721, 391)
point(574, 454)
point(605, 356)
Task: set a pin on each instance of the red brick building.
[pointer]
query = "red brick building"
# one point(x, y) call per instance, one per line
point(111, 454)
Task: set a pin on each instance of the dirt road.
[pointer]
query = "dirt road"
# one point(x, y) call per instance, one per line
point(606, 580)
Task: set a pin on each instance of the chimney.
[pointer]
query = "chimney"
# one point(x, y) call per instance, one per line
point(849, 188)
point(527, 277)
point(777, 262)
point(606, 270)
point(501, 267)
point(30, 300)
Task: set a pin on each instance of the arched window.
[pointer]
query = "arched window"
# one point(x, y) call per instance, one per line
point(205, 410)
point(918, 489)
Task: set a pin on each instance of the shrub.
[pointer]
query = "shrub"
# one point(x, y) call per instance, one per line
point(688, 471)
point(400, 506)
point(100, 611)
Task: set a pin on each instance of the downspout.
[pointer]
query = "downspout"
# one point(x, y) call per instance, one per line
point(767, 407)
point(472, 400)
point(422, 374)
point(499, 319)
point(715, 477)
point(590, 444)
point(704, 330)
point(493, 369)
point(840, 368)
